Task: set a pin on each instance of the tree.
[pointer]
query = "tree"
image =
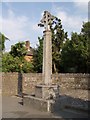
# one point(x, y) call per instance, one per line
point(38, 56)
point(2, 41)
point(15, 64)
point(10, 63)
point(69, 55)
point(14, 60)
point(58, 39)
point(18, 50)
point(85, 31)
point(27, 67)
point(2, 47)
point(75, 55)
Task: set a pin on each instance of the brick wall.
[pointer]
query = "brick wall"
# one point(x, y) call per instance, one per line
point(11, 82)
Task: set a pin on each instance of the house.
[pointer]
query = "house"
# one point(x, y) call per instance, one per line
point(29, 54)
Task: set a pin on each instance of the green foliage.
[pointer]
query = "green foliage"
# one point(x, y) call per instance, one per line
point(68, 55)
point(85, 31)
point(38, 56)
point(15, 64)
point(27, 67)
point(75, 54)
point(10, 63)
point(14, 61)
point(18, 50)
point(2, 47)
point(2, 41)
point(58, 39)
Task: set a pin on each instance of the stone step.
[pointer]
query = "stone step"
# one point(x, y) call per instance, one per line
point(37, 103)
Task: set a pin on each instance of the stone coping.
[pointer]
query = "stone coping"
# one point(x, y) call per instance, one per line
point(46, 86)
point(36, 98)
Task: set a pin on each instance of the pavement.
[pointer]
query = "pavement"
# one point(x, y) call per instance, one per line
point(0, 107)
point(12, 107)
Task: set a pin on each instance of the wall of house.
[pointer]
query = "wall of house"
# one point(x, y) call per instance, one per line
point(28, 58)
point(14, 83)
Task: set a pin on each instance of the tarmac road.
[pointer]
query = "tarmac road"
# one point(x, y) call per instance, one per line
point(12, 108)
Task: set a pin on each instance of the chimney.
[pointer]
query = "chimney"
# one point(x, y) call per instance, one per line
point(28, 45)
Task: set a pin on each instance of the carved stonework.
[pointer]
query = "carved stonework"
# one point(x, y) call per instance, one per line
point(46, 20)
point(47, 92)
point(53, 93)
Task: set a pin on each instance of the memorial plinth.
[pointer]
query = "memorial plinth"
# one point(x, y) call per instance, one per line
point(46, 91)
point(44, 97)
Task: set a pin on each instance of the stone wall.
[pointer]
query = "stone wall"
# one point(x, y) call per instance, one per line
point(0, 84)
point(67, 81)
point(14, 83)
point(72, 81)
point(9, 84)
point(29, 82)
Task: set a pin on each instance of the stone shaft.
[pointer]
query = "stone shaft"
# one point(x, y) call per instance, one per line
point(47, 57)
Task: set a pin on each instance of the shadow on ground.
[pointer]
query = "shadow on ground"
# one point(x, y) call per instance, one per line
point(69, 107)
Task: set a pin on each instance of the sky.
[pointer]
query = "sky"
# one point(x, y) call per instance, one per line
point(19, 20)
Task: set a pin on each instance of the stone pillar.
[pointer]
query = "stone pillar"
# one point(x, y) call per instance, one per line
point(47, 57)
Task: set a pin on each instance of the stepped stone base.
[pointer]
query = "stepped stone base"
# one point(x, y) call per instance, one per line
point(38, 103)
point(44, 97)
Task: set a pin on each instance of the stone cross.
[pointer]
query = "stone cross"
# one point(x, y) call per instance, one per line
point(46, 20)
point(47, 47)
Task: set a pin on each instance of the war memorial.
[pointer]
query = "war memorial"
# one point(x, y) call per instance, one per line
point(44, 91)
point(47, 95)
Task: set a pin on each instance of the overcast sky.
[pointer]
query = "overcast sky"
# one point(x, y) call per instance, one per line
point(19, 19)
